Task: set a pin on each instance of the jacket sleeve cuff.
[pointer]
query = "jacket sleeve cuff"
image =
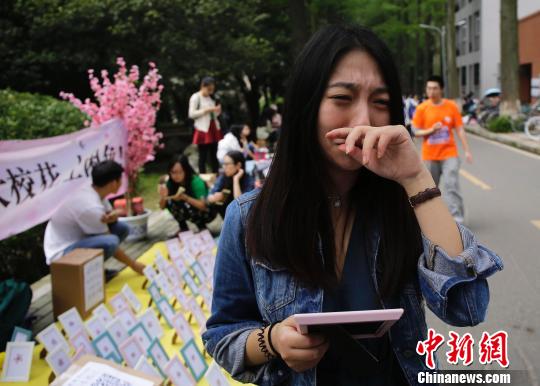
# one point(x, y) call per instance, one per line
point(442, 272)
point(270, 373)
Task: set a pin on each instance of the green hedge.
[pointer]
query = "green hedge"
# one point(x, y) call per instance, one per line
point(500, 124)
point(30, 116)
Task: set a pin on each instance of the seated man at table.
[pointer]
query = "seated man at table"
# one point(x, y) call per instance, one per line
point(86, 219)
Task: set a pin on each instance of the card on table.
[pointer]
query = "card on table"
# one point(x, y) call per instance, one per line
point(180, 265)
point(104, 345)
point(118, 331)
point(150, 272)
point(17, 362)
point(172, 274)
point(165, 310)
point(178, 374)
point(158, 355)
point(80, 341)
point(103, 313)
point(51, 338)
point(131, 351)
point(184, 236)
point(127, 318)
point(160, 262)
point(207, 238)
point(151, 323)
point(173, 247)
point(58, 360)
point(142, 336)
point(153, 290)
point(182, 298)
point(147, 368)
point(194, 360)
point(21, 335)
point(188, 257)
point(191, 283)
point(95, 326)
point(207, 262)
point(114, 357)
point(182, 327)
point(207, 296)
point(71, 321)
point(215, 376)
point(133, 300)
point(198, 313)
point(79, 354)
point(119, 302)
point(199, 272)
point(195, 245)
point(163, 283)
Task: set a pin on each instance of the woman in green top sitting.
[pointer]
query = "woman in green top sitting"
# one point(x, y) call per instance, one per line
point(184, 193)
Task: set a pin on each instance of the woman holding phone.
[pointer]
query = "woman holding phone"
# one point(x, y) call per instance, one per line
point(348, 219)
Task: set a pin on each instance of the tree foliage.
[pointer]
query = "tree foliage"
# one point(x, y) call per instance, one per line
point(48, 45)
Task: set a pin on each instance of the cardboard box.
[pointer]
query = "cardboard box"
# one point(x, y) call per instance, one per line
point(78, 280)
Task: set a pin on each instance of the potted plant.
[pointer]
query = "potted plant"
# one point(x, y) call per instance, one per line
point(136, 103)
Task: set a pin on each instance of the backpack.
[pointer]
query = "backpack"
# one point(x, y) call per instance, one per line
point(15, 299)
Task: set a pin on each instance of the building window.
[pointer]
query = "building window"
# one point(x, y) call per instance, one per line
point(463, 76)
point(476, 74)
point(476, 43)
point(471, 32)
point(463, 39)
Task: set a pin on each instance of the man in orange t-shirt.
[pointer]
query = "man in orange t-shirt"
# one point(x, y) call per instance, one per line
point(435, 120)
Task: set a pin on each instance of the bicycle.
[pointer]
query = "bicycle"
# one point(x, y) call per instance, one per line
point(532, 128)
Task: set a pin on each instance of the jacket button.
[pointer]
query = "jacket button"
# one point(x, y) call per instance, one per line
point(408, 354)
point(280, 373)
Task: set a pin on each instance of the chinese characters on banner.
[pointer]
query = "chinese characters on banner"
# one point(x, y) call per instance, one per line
point(491, 348)
point(37, 175)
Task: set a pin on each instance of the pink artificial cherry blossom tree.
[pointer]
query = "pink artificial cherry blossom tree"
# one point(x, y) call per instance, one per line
point(136, 103)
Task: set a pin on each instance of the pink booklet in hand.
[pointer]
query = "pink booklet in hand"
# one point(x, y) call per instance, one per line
point(358, 324)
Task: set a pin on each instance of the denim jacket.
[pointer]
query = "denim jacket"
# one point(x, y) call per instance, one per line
point(248, 293)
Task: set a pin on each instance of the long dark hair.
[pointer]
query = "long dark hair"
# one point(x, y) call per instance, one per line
point(236, 130)
point(291, 220)
point(188, 174)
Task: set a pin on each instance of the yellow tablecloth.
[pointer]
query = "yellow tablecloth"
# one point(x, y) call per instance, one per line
point(40, 372)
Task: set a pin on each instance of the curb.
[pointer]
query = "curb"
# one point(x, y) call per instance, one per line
point(504, 138)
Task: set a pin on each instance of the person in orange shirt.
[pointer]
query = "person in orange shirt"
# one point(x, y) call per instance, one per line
point(436, 120)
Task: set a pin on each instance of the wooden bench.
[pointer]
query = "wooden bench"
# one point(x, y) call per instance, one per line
point(161, 226)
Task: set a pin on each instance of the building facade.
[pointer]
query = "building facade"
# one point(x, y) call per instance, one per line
point(478, 42)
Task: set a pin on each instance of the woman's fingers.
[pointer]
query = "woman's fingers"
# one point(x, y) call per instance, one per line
point(370, 141)
point(339, 133)
point(382, 145)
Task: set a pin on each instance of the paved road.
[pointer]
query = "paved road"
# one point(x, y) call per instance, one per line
point(501, 190)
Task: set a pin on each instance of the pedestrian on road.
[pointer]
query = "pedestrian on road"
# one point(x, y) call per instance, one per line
point(348, 219)
point(204, 111)
point(435, 120)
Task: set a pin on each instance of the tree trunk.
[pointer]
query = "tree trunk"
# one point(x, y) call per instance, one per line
point(509, 59)
point(452, 87)
point(299, 22)
point(251, 96)
point(417, 84)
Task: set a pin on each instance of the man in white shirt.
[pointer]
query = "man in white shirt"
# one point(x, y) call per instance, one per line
point(87, 220)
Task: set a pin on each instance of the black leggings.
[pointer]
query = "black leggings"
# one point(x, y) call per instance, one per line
point(208, 153)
